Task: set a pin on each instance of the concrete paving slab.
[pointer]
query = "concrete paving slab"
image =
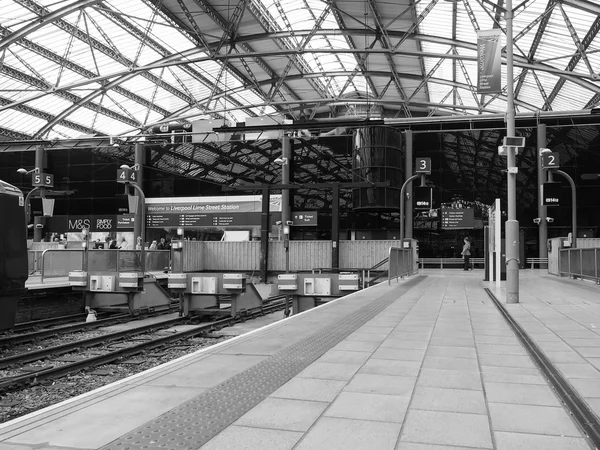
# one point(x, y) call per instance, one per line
point(523, 394)
point(495, 377)
point(447, 428)
point(548, 420)
point(103, 422)
point(487, 359)
point(283, 414)
point(512, 441)
point(446, 363)
point(391, 367)
point(207, 372)
point(374, 407)
point(343, 356)
point(330, 371)
point(497, 349)
point(454, 352)
point(450, 379)
point(244, 438)
point(401, 354)
point(578, 370)
point(415, 446)
point(312, 389)
point(367, 337)
point(344, 434)
point(587, 387)
point(453, 342)
point(403, 343)
point(357, 346)
point(381, 384)
point(569, 357)
point(451, 400)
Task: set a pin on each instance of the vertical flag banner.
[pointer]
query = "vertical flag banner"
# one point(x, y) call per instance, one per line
point(488, 61)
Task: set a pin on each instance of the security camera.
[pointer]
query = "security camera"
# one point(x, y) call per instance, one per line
point(596, 76)
point(549, 219)
point(125, 166)
point(537, 220)
point(289, 222)
point(278, 222)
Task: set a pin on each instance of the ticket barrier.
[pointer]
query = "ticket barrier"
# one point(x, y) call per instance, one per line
point(309, 290)
point(120, 291)
point(206, 293)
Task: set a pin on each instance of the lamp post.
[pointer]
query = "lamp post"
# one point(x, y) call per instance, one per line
point(285, 206)
point(512, 225)
point(23, 171)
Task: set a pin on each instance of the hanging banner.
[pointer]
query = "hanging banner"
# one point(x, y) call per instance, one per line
point(488, 61)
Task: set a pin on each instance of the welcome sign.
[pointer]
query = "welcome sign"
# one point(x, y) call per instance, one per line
point(488, 61)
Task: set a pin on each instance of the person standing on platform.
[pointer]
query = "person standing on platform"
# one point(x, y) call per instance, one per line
point(466, 253)
point(162, 245)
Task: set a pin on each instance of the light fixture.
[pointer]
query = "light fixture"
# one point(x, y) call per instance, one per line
point(27, 172)
point(126, 167)
point(282, 161)
point(590, 176)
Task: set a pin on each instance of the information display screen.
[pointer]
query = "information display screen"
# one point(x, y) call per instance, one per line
point(456, 219)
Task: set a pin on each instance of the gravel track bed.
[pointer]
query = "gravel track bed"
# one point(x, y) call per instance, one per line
point(47, 393)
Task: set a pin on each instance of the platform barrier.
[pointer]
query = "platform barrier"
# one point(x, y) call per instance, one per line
point(580, 263)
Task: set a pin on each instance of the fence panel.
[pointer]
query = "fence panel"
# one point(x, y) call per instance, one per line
point(58, 263)
point(365, 254)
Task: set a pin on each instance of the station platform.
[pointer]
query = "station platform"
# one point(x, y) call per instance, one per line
point(426, 363)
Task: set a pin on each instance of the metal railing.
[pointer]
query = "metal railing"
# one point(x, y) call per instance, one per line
point(580, 263)
point(59, 262)
point(402, 263)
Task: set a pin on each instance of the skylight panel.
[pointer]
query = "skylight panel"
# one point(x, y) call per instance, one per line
point(51, 104)
point(21, 122)
point(302, 16)
point(15, 16)
point(571, 97)
point(439, 20)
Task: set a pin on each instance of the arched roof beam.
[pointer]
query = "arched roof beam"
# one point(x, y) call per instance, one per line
point(34, 112)
point(111, 52)
point(235, 42)
point(386, 43)
point(42, 51)
point(582, 46)
point(43, 86)
point(44, 19)
point(142, 36)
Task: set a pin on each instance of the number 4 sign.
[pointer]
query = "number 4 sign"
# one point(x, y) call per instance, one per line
point(126, 176)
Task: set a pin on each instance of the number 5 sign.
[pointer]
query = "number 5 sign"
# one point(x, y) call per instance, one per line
point(423, 165)
point(42, 180)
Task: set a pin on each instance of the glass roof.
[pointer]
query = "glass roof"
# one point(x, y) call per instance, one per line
point(122, 66)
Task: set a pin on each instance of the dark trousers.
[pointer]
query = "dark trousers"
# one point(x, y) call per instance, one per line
point(467, 262)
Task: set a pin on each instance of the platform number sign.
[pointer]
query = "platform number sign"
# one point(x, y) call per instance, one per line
point(550, 160)
point(42, 180)
point(423, 165)
point(126, 176)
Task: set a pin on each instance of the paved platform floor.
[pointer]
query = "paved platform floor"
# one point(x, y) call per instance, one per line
point(424, 364)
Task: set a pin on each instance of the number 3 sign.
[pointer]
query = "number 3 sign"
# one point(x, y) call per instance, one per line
point(423, 165)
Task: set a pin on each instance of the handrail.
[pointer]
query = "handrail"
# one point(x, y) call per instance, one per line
point(581, 263)
point(401, 263)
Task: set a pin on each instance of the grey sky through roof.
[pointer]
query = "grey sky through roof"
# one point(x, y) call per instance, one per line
point(69, 68)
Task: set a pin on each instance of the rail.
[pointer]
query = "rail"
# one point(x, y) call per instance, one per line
point(538, 261)
point(581, 263)
point(449, 262)
point(401, 263)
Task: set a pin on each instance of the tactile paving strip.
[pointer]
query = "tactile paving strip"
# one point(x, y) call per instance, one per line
point(194, 423)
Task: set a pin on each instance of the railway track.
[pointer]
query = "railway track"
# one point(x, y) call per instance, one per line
point(110, 355)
